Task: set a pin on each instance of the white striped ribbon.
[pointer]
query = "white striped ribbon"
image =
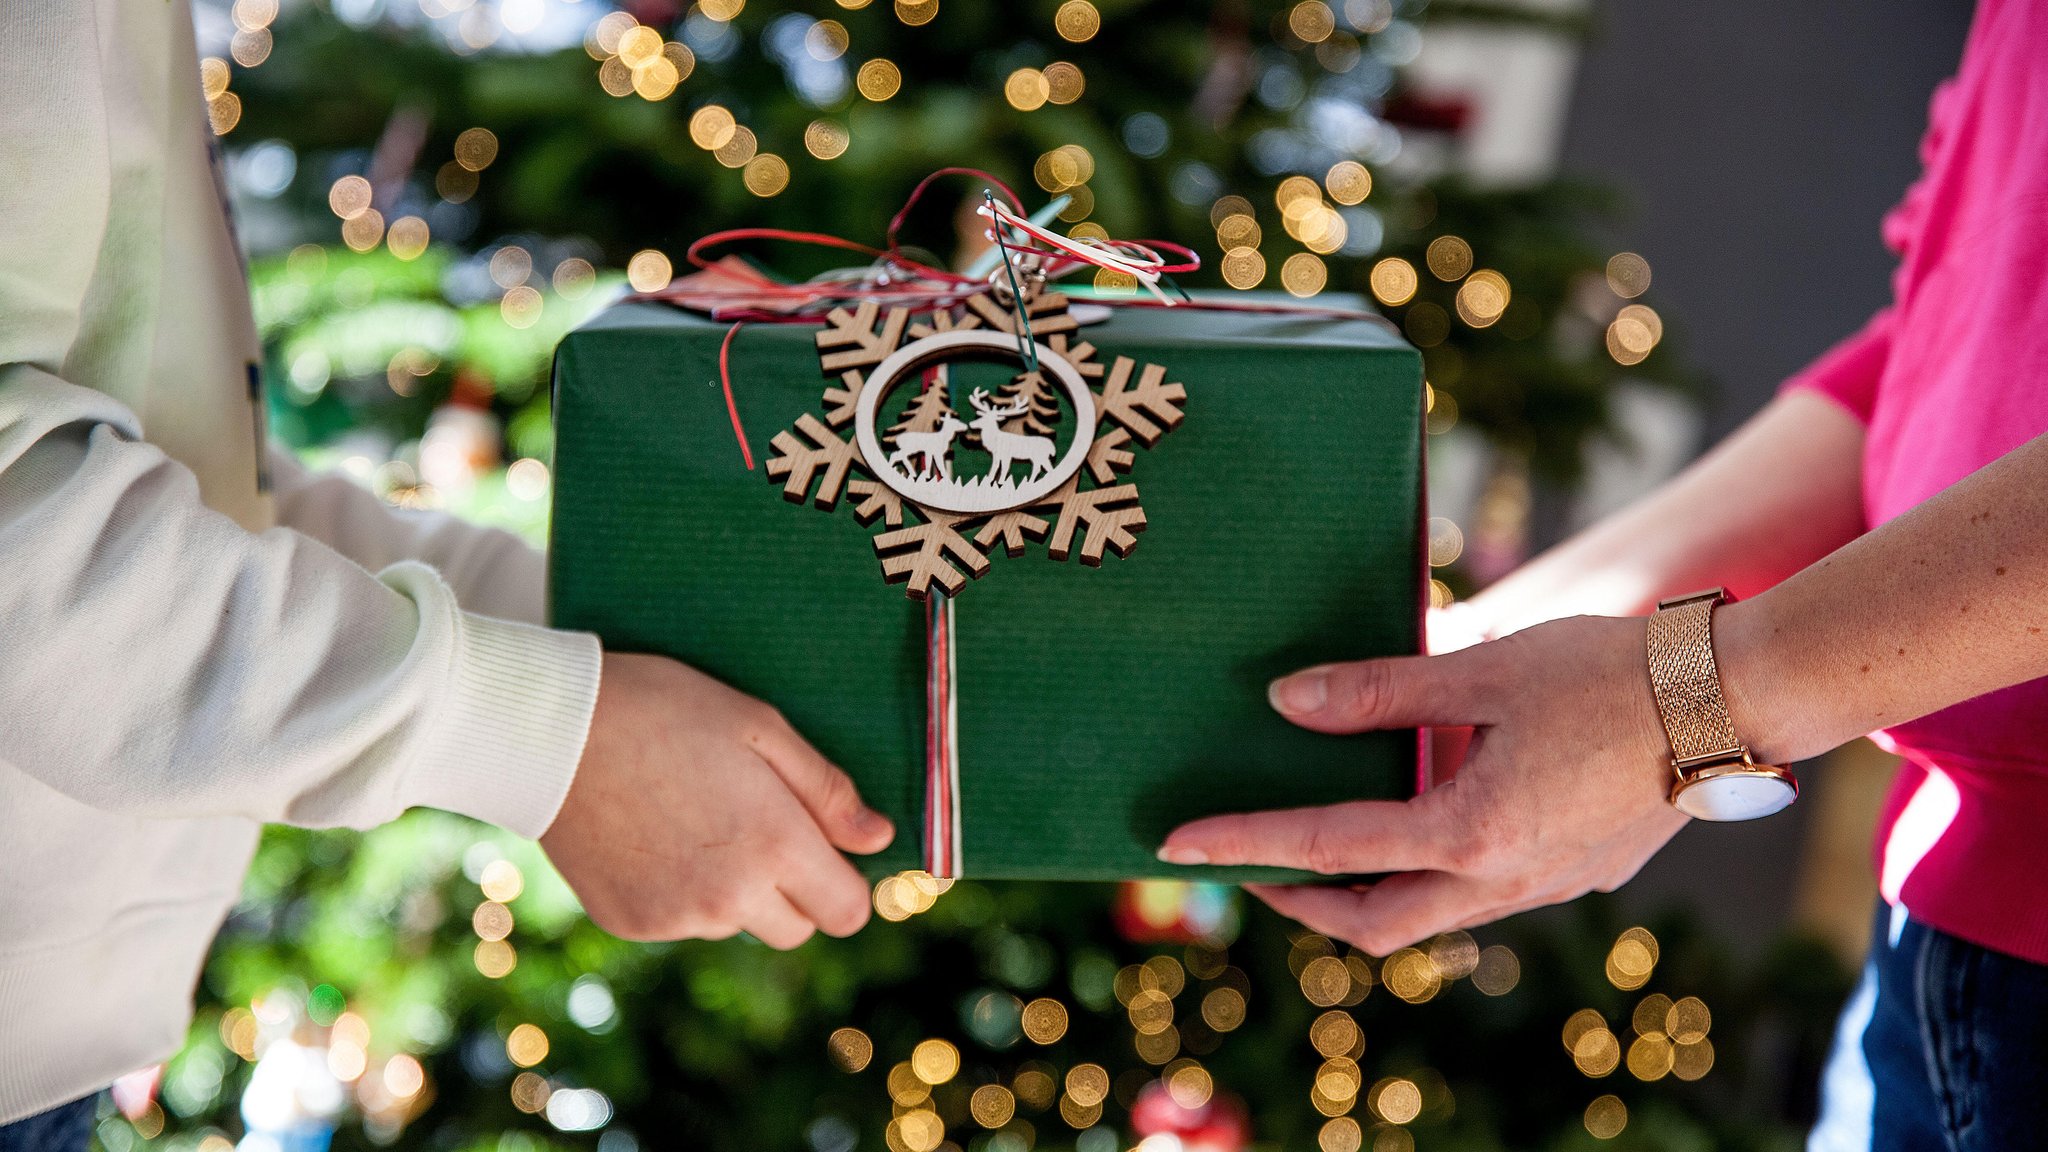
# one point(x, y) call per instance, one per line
point(942, 742)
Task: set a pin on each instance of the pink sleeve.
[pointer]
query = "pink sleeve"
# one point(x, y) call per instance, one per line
point(1848, 372)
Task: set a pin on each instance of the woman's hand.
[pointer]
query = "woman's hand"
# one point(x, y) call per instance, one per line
point(1565, 788)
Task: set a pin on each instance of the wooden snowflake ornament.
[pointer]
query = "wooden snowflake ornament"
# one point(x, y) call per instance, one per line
point(949, 478)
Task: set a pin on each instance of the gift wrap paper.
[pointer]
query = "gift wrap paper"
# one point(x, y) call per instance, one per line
point(1098, 707)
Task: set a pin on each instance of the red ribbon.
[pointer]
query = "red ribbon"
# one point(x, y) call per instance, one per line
point(732, 406)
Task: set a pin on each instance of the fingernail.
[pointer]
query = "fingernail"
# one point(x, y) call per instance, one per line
point(1301, 692)
point(1173, 855)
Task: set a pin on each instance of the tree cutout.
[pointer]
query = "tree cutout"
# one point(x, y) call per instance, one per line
point(1041, 400)
point(826, 453)
point(1112, 517)
point(877, 499)
point(855, 331)
point(1149, 410)
point(1012, 528)
point(1107, 455)
point(841, 399)
point(933, 404)
point(923, 553)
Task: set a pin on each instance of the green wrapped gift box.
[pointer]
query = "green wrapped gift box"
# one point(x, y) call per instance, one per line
point(1097, 706)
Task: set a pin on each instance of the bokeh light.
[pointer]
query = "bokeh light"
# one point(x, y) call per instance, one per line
point(1631, 960)
point(1606, 1117)
point(992, 1105)
point(1628, 275)
point(767, 175)
point(1044, 1020)
point(1064, 82)
point(825, 139)
point(712, 126)
point(1027, 89)
point(1312, 21)
point(1088, 1084)
point(1077, 21)
point(917, 12)
point(878, 79)
point(526, 1046)
point(476, 148)
point(1348, 182)
point(1396, 1100)
point(1449, 257)
point(1394, 281)
point(649, 271)
point(935, 1061)
point(850, 1049)
point(1303, 274)
point(407, 237)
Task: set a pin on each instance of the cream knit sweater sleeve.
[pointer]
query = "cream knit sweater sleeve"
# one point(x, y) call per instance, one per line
point(161, 660)
point(490, 570)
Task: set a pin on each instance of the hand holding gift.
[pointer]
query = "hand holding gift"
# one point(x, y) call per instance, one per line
point(1565, 789)
point(699, 812)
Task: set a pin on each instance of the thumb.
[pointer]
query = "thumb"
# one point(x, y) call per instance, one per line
point(1401, 692)
point(828, 793)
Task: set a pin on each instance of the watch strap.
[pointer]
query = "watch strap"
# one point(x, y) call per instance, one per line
point(1687, 682)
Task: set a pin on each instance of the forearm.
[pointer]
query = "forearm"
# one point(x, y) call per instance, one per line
point(162, 660)
point(1942, 604)
point(491, 570)
point(1778, 494)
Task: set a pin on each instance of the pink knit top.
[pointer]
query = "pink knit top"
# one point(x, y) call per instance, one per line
point(1951, 376)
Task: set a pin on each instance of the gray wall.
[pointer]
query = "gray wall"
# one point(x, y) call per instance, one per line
point(1759, 143)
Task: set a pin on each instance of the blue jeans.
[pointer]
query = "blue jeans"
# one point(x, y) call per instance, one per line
point(65, 1128)
point(1942, 1048)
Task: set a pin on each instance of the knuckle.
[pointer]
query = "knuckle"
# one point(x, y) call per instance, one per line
point(1484, 839)
point(764, 717)
point(1520, 889)
point(1375, 940)
point(785, 938)
point(1359, 691)
point(721, 903)
point(1322, 850)
point(1472, 850)
point(840, 797)
point(847, 919)
point(778, 845)
point(623, 923)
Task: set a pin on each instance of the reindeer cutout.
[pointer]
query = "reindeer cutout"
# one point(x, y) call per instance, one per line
point(931, 450)
point(1008, 448)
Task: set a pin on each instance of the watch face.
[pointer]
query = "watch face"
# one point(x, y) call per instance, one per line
point(1735, 796)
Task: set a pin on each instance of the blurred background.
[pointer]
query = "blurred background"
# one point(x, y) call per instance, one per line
point(1611, 228)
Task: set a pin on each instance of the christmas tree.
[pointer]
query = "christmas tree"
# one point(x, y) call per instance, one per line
point(438, 189)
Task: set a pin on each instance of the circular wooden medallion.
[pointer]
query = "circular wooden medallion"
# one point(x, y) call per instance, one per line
point(919, 468)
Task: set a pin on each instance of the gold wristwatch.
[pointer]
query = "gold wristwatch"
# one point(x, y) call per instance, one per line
point(1716, 779)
